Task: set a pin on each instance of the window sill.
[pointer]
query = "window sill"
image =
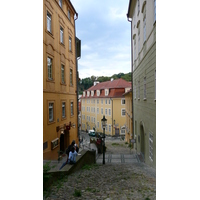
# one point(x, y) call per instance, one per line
point(144, 99)
point(49, 33)
point(63, 84)
point(51, 122)
point(51, 80)
point(62, 44)
point(63, 118)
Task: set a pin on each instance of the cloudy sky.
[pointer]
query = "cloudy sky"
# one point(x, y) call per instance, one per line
point(104, 32)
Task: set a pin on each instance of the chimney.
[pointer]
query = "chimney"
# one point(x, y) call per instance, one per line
point(96, 82)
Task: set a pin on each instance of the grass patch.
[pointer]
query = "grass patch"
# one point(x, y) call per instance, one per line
point(77, 193)
point(115, 144)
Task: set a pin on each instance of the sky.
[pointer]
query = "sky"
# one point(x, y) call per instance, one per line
point(105, 33)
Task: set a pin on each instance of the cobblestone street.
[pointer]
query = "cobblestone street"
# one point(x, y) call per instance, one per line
point(110, 181)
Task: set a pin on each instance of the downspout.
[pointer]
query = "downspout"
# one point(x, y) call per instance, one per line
point(76, 78)
point(132, 77)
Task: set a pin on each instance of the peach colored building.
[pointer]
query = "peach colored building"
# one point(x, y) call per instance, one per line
point(107, 99)
point(60, 121)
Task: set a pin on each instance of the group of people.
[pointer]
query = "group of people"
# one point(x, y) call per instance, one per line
point(72, 152)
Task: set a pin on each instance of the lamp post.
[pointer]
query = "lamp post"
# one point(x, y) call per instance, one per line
point(103, 121)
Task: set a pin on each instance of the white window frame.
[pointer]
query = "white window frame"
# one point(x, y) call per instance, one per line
point(61, 35)
point(109, 101)
point(123, 112)
point(62, 73)
point(50, 68)
point(63, 110)
point(102, 101)
point(51, 107)
point(60, 3)
point(48, 22)
point(123, 131)
point(138, 89)
point(105, 101)
point(109, 112)
point(71, 77)
point(123, 102)
point(109, 129)
point(145, 88)
point(70, 44)
point(135, 91)
point(144, 27)
point(97, 110)
point(102, 111)
point(97, 101)
point(68, 14)
point(106, 111)
point(72, 108)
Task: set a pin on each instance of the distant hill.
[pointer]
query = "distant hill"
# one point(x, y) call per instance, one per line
point(86, 83)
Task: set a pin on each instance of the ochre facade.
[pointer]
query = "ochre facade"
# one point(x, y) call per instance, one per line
point(60, 122)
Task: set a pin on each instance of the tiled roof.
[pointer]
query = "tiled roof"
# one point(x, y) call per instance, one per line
point(116, 89)
point(118, 83)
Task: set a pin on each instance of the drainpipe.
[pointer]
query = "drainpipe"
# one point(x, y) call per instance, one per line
point(112, 115)
point(130, 20)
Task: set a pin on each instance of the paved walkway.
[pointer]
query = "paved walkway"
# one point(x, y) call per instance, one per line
point(122, 177)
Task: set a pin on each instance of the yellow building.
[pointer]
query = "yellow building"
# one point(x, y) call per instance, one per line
point(59, 77)
point(129, 111)
point(107, 99)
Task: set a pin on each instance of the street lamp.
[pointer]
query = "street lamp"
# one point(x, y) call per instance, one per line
point(103, 121)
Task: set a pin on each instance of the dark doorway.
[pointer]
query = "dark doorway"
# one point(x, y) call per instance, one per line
point(116, 131)
point(142, 146)
point(64, 140)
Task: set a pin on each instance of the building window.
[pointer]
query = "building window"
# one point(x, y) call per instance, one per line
point(134, 49)
point(139, 39)
point(97, 101)
point(51, 112)
point(62, 73)
point(71, 77)
point(138, 6)
point(123, 112)
point(98, 124)
point(60, 3)
point(135, 92)
point(109, 101)
point(109, 111)
point(105, 101)
point(144, 26)
point(123, 130)
point(72, 108)
point(123, 102)
point(61, 35)
point(138, 89)
point(63, 110)
point(106, 111)
point(49, 64)
point(97, 110)
point(68, 14)
point(109, 128)
point(101, 101)
point(70, 44)
point(151, 146)
point(154, 10)
point(48, 22)
point(102, 111)
point(145, 92)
